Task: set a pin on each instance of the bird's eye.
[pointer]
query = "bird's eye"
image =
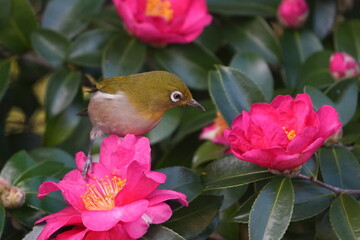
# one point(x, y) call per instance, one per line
point(175, 96)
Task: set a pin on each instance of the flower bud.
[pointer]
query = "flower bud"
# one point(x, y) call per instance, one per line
point(292, 13)
point(342, 66)
point(13, 197)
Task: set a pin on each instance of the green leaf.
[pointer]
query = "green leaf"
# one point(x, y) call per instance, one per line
point(297, 46)
point(255, 67)
point(265, 8)
point(69, 17)
point(272, 210)
point(5, 76)
point(344, 94)
point(191, 221)
point(345, 217)
point(322, 16)
point(243, 213)
point(53, 154)
point(166, 127)
point(51, 46)
point(254, 35)
point(123, 55)
point(87, 48)
point(310, 167)
point(230, 195)
point(339, 167)
point(315, 71)
point(195, 60)
point(182, 180)
point(324, 230)
point(17, 25)
point(158, 232)
point(16, 165)
point(2, 219)
point(230, 172)
point(318, 98)
point(347, 38)
point(310, 200)
point(26, 215)
point(61, 91)
point(233, 92)
point(206, 152)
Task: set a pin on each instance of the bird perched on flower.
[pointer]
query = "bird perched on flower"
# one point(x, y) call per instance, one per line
point(134, 104)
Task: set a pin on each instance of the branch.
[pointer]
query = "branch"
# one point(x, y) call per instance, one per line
point(337, 190)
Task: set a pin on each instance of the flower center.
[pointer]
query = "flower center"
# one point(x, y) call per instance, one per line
point(220, 123)
point(101, 196)
point(159, 8)
point(290, 134)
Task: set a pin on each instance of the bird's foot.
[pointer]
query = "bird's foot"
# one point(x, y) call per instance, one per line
point(87, 166)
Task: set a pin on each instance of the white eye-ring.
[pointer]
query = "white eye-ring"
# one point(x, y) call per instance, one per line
point(175, 96)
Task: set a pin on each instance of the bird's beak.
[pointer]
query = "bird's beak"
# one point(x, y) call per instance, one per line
point(194, 103)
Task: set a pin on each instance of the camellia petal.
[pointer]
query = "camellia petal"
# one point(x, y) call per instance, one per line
point(283, 134)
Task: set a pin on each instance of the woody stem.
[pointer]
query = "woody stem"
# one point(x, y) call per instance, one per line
point(337, 190)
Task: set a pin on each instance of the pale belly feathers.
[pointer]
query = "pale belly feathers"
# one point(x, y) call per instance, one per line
point(112, 114)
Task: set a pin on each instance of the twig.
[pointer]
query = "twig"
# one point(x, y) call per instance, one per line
point(337, 190)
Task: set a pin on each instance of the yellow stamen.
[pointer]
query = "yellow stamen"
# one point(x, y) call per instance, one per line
point(290, 134)
point(159, 8)
point(101, 196)
point(220, 123)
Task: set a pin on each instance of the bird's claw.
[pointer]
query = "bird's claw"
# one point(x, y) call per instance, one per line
point(87, 166)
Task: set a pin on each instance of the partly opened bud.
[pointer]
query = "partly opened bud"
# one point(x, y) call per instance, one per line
point(343, 66)
point(293, 13)
point(13, 197)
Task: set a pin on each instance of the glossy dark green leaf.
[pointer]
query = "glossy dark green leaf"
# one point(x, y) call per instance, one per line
point(44, 168)
point(123, 55)
point(310, 167)
point(158, 232)
point(310, 200)
point(60, 127)
point(323, 229)
point(17, 25)
point(2, 219)
point(233, 92)
point(26, 215)
point(69, 17)
point(61, 91)
point(191, 62)
point(230, 195)
point(5, 76)
point(297, 46)
point(5, 11)
point(322, 16)
point(254, 35)
point(230, 172)
point(315, 71)
point(193, 119)
point(318, 98)
point(87, 48)
point(339, 167)
point(53, 154)
point(256, 68)
point(166, 127)
point(347, 38)
point(272, 210)
point(16, 165)
point(206, 152)
point(51, 46)
point(266, 8)
point(191, 221)
point(243, 213)
point(344, 95)
point(345, 217)
point(35, 232)
point(182, 180)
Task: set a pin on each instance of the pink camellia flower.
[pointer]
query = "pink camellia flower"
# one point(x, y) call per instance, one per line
point(292, 13)
point(215, 131)
point(164, 21)
point(118, 200)
point(343, 66)
point(281, 135)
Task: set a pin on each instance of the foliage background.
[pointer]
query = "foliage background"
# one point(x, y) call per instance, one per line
point(46, 47)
